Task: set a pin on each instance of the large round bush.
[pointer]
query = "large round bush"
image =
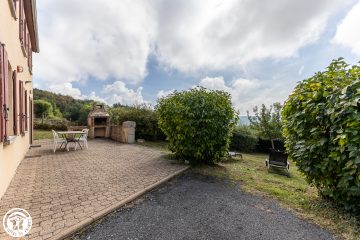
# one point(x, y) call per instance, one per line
point(321, 125)
point(198, 123)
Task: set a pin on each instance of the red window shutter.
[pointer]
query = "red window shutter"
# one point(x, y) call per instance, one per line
point(5, 92)
point(26, 111)
point(2, 132)
point(21, 21)
point(30, 55)
point(21, 94)
point(30, 60)
point(22, 108)
point(16, 105)
point(26, 35)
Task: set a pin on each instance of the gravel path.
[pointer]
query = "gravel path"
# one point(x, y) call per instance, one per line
point(194, 206)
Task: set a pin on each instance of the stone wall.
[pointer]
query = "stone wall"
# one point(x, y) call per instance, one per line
point(124, 133)
point(116, 133)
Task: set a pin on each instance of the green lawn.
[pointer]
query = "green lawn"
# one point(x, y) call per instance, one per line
point(42, 134)
point(293, 192)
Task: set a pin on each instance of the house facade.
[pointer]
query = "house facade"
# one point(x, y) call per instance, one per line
point(18, 41)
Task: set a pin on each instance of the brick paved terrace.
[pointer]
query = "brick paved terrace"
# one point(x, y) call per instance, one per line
point(65, 191)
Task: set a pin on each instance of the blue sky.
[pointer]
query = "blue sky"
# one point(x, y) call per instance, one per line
point(134, 51)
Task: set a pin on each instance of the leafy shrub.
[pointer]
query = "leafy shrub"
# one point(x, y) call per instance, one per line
point(322, 131)
point(198, 123)
point(146, 121)
point(243, 139)
point(51, 124)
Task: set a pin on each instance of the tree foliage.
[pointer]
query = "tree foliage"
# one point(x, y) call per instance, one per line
point(198, 123)
point(43, 108)
point(322, 132)
point(267, 121)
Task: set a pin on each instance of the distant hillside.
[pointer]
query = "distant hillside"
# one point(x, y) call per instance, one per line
point(69, 107)
point(58, 100)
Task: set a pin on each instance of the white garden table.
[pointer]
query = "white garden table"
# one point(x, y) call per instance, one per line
point(71, 136)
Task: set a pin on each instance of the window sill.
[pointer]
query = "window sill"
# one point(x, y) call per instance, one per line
point(10, 140)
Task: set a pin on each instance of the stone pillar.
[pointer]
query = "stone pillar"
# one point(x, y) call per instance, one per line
point(128, 129)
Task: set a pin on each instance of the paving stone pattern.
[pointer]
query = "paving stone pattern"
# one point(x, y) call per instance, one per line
point(62, 189)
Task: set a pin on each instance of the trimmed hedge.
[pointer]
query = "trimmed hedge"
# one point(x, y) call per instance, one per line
point(322, 131)
point(243, 142)
point(198, 123)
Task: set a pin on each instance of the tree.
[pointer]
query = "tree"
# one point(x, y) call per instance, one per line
point(43, 108)
point(72, 111)
point(198, 123)
point(84, 112)
point(321, 121)
point(267, 122)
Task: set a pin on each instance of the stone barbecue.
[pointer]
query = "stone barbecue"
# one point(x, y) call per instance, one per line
point(99, 122)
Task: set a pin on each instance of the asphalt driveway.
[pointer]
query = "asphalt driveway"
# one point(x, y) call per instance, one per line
point(194, 206)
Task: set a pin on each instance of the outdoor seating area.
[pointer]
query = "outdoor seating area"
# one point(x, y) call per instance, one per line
point(67, 190)
point(63, 139)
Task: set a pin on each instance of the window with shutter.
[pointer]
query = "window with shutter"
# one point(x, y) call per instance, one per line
point(26, 112)
point(30, 60)
point(22, 115)
point(29, 55)
point(2, 131)
point(4, 93)
point(10, 101)
point(23, 31)
point(21, 21)
point(26, 35)
point(16, 118)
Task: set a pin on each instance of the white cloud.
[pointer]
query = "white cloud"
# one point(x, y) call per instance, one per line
point(347, 33)
point(217, 34)
point(214, 83)
point(119, 93)
point(93, 96)
point(96, 41)
point(65, 88)
point(115, 38)
point(247, 93)
point(163, 93)
point(109, 39)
